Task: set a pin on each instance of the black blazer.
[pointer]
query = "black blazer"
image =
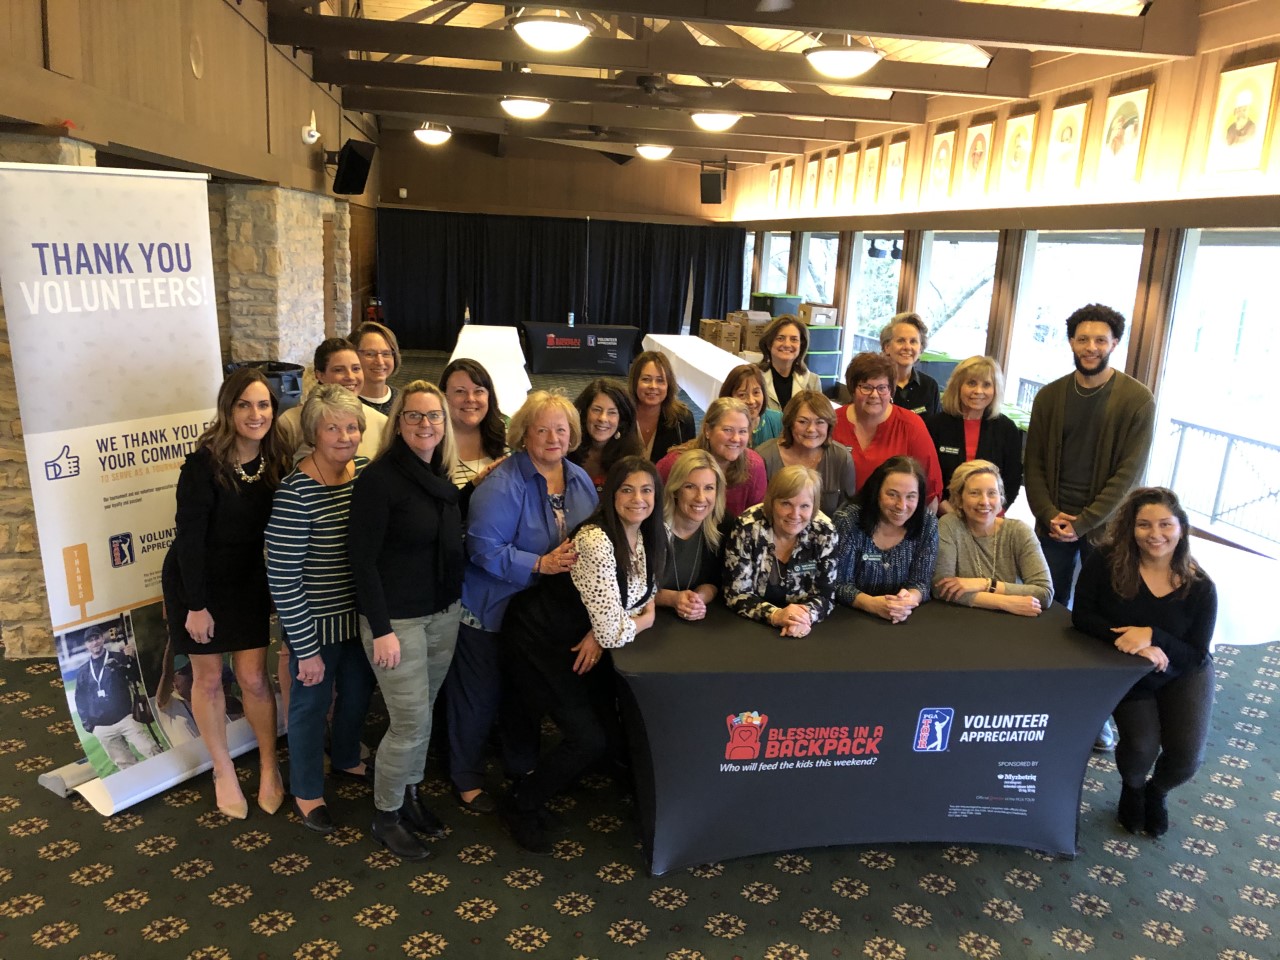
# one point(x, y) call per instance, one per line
point(999, 441)
point(668, 436)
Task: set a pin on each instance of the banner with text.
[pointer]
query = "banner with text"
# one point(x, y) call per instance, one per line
point(109, 300)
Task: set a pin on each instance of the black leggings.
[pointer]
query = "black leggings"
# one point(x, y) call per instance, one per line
point(1168, 731)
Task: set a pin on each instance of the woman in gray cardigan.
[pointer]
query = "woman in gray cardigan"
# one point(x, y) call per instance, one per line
point(984, 559)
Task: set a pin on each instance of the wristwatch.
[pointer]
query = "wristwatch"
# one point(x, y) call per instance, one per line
point(991, 587)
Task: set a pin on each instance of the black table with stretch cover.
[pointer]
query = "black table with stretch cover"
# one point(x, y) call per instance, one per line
point(960, 725)
point(585, 348)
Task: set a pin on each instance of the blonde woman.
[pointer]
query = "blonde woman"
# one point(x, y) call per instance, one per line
point(726, 435)
point(693, 507)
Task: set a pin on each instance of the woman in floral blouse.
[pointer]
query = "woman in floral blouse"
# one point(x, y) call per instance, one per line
point(888, 543)
point(780, 560)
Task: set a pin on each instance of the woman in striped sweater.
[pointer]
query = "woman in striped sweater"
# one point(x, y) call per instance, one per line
point(314, 593)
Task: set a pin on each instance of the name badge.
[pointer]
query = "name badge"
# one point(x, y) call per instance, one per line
point(871, 557)
point(809, 567)
point(953, 450)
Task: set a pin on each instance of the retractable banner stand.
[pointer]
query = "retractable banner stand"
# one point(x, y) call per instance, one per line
point(109, 299)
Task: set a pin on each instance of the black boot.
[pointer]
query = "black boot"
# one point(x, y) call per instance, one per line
point(525, 827)
point(393, 834)
point(1157, 813)
point(418, 817)
point(1130, 813)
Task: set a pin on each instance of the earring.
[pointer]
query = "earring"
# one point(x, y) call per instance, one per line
point(617, 435)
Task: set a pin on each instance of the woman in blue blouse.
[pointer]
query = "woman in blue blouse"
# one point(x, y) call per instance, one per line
point(315, 595)
point(517, 530)
point(888, 543)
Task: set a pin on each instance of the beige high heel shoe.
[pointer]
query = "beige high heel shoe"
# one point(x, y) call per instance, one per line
point(237, 809)
point(269, 803)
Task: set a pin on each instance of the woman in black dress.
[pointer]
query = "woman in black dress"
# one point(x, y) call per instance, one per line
point(215, 578)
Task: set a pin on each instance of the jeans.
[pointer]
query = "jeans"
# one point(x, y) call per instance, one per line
point(1061, 558)
point(473, 699)
point(347, 668)
point(426, 647)
point(1168, 731)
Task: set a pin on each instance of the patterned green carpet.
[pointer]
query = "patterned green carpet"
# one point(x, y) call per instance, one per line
point(173, 878)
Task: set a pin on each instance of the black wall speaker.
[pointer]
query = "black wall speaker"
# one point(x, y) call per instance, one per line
point(712, 187)
point(353, 167)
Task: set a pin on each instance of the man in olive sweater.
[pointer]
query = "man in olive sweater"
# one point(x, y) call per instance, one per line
point(1087, 445)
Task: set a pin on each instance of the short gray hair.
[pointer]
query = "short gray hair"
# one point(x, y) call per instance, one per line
point(331, 399)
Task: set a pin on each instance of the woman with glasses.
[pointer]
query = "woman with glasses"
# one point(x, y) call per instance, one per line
point(405, 546)
point(380, 357)
point(806, 442)
point(784, 343)
point(874, 429)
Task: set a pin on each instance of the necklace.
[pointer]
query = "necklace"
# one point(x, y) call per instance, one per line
point(1089, 392)
point(995, 549)
point(323, 482)
point(675, 562)
point(257, 475)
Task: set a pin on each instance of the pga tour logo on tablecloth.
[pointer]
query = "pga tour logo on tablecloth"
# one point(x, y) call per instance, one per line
point(933, 730)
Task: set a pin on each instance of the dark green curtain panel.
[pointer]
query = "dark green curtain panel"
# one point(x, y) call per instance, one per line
point(432, 266)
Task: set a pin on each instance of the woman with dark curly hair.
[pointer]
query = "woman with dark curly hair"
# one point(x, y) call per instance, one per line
point(1142, 592)
point(608, 428)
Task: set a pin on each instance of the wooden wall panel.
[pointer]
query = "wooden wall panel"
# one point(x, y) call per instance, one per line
point(364, 260)
point(132, 51)
point(228, 100)
point(21, 34)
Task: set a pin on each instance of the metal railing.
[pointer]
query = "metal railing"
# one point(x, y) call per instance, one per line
point(1230, 479)
point(1027, 390)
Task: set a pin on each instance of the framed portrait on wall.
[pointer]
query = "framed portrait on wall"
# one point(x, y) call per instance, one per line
point(1066, 142)
point(1123, 136)
point(784, 185)
point(976, 162)
point(827, 183)
point(942, 155)
point(812, 170)
point(894, 171)
point(775, 174)
point(848, 176)
point(1241, 115)
point(1018, 151)
point(869, 179)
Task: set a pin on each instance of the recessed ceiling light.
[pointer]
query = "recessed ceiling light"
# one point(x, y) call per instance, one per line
point(524, 108)
point(551, 33)
point(715, 122)
point(433, 134)
point(653, 151)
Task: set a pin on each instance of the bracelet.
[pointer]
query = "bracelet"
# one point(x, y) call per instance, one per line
point(537, 565)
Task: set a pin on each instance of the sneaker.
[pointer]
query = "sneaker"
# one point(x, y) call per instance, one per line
point(1108, 736)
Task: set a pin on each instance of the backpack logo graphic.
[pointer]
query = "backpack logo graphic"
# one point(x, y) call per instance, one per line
point(744, 735)
point(933, 729)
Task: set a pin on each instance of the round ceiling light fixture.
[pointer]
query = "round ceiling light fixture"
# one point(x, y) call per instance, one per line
point(843, 63)
point(714, 122)
point(551, 32)
point(433, 134)
point(524, 108)
point(653, 151)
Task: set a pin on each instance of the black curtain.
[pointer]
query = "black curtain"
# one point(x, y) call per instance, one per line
point(431, 266)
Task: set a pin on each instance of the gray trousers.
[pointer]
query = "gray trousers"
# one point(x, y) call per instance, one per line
point(409, 691)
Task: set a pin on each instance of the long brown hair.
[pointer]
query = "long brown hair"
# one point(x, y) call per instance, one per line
point(220, 435)
point(673, 408)
point(1122, 551)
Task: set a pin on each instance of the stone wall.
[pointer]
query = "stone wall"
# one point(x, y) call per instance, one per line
point(24, 606)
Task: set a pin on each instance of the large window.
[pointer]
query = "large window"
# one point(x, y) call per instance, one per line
point(1219, 446)
point(775, 263)
point(1067, 271)
point(873, 297)
point(818, 267)
point(954, 296)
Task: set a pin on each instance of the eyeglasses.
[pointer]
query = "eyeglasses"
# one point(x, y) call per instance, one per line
point(867, 389)
point(415, 417)
point(377, 354)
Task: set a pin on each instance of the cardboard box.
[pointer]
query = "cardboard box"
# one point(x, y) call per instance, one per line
point(819, 314)
point(748, 316)
point(729, 336)
point(751, 337)
point(708, 329)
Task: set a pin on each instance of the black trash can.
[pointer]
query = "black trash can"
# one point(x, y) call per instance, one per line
point(285, 379)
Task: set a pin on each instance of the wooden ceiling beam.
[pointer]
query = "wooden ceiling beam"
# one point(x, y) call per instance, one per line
point(1168, 30)
point(666, 53)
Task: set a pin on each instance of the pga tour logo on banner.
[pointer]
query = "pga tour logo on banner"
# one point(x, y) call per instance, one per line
point(933, 730)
